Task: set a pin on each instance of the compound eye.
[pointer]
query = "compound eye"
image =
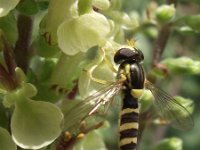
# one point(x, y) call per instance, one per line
point(140, 55)
point(123, 54)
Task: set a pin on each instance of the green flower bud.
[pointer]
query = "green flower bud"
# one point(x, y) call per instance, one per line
point(126, 21)
point(151, 32)
point(193, 22)
point(187, 103)
point(186, 30)
point(129, 22)
point(165, 13)
point(182, 65)
point(21, 77)
point(146, 100)
point(169, 144)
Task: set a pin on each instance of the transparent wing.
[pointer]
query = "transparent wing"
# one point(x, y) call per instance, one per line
point(170, 109)
point(90, 105)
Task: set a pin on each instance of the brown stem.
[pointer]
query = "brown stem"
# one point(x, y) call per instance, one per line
point(7, 72)
point(160, 43)
point(21, 51)
point(64, 144)
point(8, 57)
point(5, 79)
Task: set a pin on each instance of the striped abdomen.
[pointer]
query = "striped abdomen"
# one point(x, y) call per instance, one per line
point(129, 122)
point(133, 87)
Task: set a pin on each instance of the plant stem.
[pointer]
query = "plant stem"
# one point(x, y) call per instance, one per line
point(8, 57)
point(64, 144)
point(22, 47)
point(160, 43)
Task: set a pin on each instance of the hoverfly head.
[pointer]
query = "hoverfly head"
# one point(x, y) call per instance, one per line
point(126, 54)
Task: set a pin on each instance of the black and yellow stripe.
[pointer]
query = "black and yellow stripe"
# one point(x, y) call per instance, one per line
point(129, 122)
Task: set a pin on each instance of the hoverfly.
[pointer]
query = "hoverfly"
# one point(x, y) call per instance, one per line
point(131, 82)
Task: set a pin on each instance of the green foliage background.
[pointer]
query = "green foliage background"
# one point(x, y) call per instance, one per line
point(50, 48)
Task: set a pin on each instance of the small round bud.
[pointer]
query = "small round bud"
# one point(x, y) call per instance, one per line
point(169, 144)
point(165, 13)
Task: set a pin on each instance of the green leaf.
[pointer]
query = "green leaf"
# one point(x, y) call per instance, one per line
point(187, 103)
point(7, 6)
point(6, 141)
point(79, 34)
point(169, 144)
point(9, 27)
point(27, 7)
point(182, 65)
point(35, 124)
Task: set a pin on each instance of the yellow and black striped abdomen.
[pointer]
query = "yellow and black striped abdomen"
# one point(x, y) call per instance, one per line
point(129, 122)
point(133, 85)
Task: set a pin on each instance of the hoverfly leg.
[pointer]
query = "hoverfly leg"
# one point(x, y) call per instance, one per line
point(100, 81)
point(108, 62)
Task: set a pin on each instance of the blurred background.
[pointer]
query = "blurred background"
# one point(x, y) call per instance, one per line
point(56, 44)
